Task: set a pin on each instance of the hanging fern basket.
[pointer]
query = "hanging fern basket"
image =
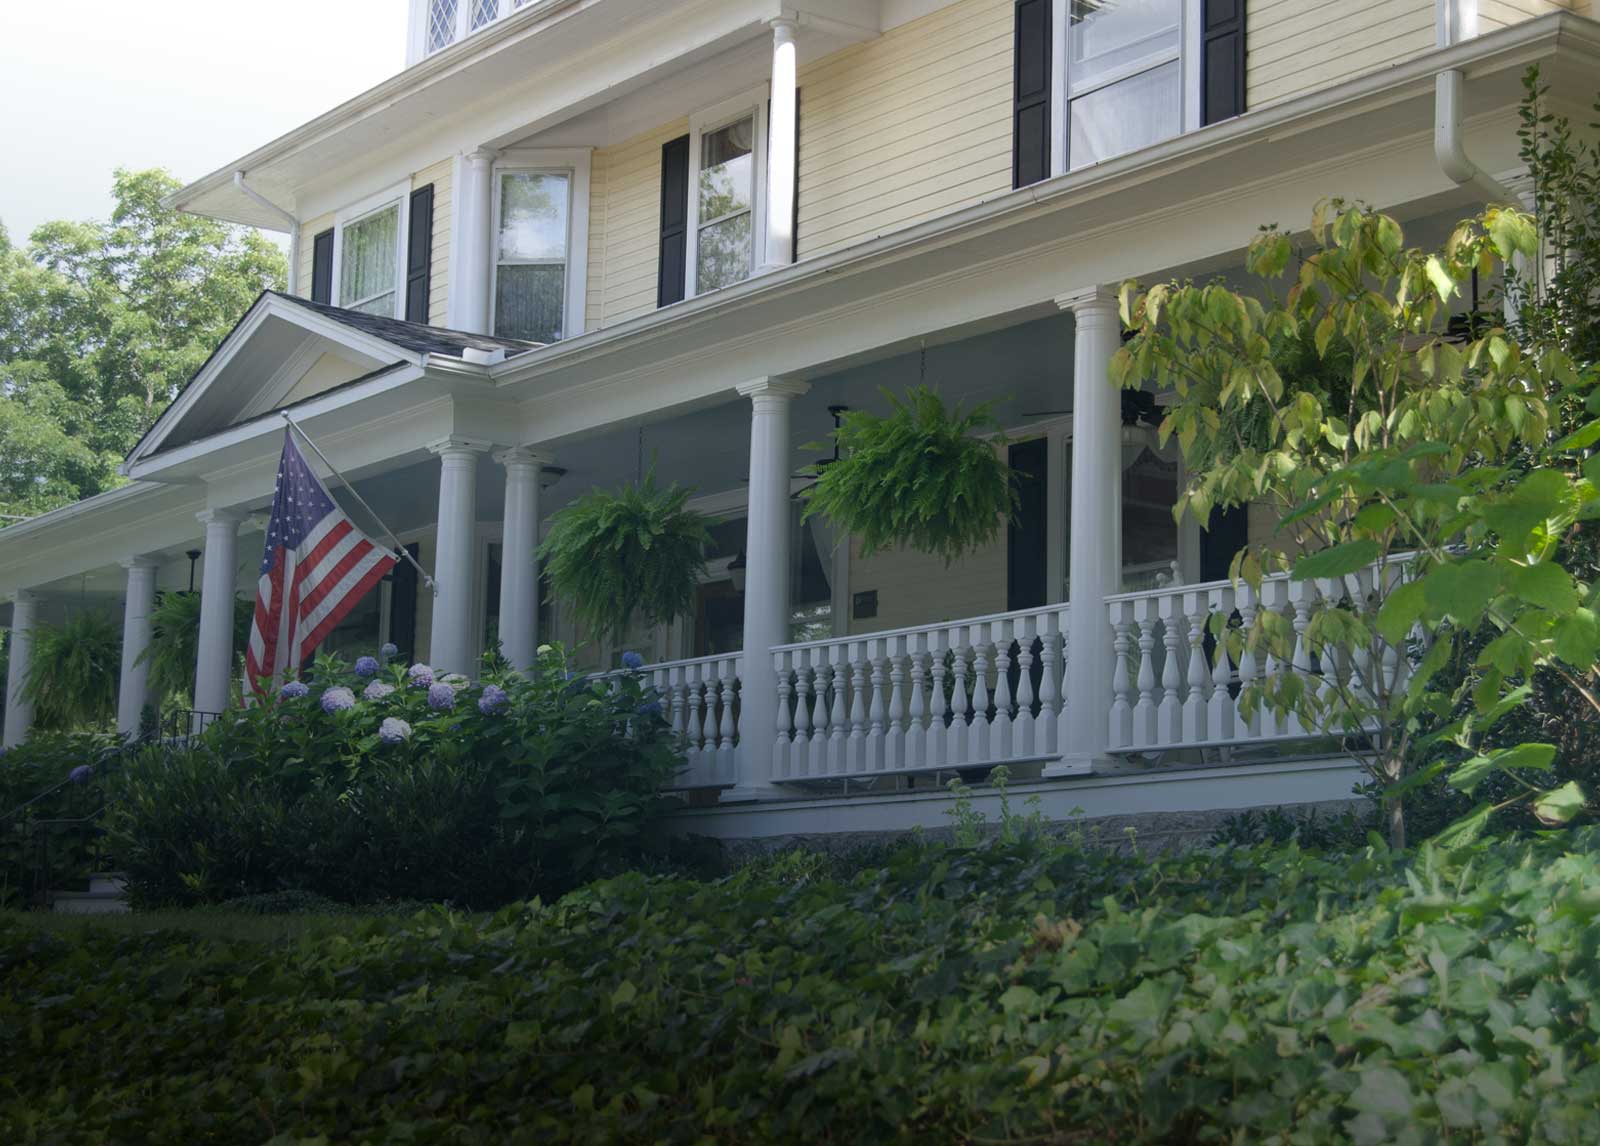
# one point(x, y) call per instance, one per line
point(634, 553)
point(72, 677)
point(921, 476)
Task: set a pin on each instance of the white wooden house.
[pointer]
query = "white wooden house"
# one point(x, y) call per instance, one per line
point(575, 238)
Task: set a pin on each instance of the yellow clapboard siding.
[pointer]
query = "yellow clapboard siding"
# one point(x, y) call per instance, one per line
point(1493, 14)
point(916, 589)
point(625, 226)
point(1297, 46)
point(441, 175)
point(309, 230)
point(913, 123)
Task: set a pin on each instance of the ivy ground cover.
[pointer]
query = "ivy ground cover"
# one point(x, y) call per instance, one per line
point(1028, 992)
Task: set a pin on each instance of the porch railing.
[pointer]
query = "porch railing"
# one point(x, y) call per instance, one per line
point(935, 697)
point(700, 700)
point(1170, 691)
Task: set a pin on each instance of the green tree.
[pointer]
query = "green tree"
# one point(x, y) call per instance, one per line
point(101, 323)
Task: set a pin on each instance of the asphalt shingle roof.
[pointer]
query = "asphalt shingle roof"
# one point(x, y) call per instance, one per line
point(413, 336)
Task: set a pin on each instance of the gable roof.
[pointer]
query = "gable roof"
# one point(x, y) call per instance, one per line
point(278, 341)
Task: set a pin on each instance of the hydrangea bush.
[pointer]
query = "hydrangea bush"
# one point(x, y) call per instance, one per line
point(383, 780)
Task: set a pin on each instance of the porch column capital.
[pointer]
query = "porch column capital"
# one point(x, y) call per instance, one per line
point(784, 29)
point(524, 456)
point(481, 156)
point(220, 518)
point(456, 446)
point(139, 562)
point(27, 598)
point(771, 387)
point(1089, 302)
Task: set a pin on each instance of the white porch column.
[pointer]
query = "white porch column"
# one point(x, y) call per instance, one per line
point(213, 669)
point(134, 691)
point(519, 561)
point(766, 585)
point(455, 568)
point(19, 710)
point(1094, 559)
point(470, 304)
point(782, 132)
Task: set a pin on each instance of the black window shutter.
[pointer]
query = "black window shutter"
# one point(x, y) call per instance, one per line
point(673, 269)
point(1227, 531)
point(1221, 60)
point(322, 267)
point(1027, 554)
point(794, 224)
point(419, 254)
point(1030, 97)
point(403, 606)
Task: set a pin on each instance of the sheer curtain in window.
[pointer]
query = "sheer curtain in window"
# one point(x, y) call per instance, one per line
point(368, 262)
point(530, 279)
point(1124, 79)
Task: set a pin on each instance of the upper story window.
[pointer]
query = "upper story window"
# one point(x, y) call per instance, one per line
point(727, 180)
point(369, 254)
point(439, 23)
point(541, 241)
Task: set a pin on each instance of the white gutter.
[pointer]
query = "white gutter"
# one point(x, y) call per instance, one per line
point(1455, 21)
point(293, 228)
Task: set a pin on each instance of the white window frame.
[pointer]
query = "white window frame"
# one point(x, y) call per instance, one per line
point(398, 195)
point(418, 41)
point(754, 104)
point(575, 163)
point(1189, 51)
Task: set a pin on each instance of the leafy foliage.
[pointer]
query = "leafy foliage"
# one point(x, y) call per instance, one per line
point(74, 671)
point(478, 800)
point(921, 476)
point(100, 324)
point(1020, 993)
point(1441, 448)
point(175, 641)
point(37, 769)
point(636, 552)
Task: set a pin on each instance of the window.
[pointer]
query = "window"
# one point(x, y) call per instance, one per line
point(441, 30)
point(531, 264)
point(369, 271)
point(727, 180)
point(541, 229)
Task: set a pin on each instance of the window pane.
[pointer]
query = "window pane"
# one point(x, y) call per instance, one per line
point(726, 166)
point(483, 11)
point(382, 305)
point(1108, 35)
point(369, 252)
point(533, 216)
point(1126, 116)
point(725, 254)
point(441, 23)
point(529, 301)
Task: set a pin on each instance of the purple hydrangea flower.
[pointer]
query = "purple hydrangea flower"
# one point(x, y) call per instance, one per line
point(366, 666)
point(293, 690)
point(493, 701)
point(389, 650)
point(393, 730)
point(441, 697)
point(650, 708)
point(338, 700)
point(632, 661)
point(420, 675)
point(377, 690)
point(81, 774)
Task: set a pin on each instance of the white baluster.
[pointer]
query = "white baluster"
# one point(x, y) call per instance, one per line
point(838, 722)
point(1045, 733)
point(957, 753)
point(729, 765)
point(1300, 597)
point(875, 759)
point(915, 755)
point(1198, 676)
point(1169, 716)
point(822, 674)
point(1274, 598)
point(1220, 710)
point(1144, 709)
point(1022, 730)
point(978, 731)
point(1000, 727)
point(1121, 713)
point(858, 707)
point(800, 751)
point(894, 744)
point(785, 720)
point(1247, 729)
point(696, 729)
point(938, 739)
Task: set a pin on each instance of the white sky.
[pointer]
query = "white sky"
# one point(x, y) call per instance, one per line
point(90, 85)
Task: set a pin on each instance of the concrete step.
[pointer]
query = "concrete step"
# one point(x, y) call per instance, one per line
point(89, 902)
point(116, 881)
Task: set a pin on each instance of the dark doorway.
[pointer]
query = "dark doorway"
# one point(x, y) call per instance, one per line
point(1027, 546)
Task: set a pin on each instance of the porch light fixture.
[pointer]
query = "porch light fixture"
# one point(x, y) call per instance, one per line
point(193, 555)
point(550, 475)
point(736, 570)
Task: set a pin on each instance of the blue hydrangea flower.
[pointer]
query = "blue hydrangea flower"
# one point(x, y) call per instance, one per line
point(81, 774)
point(338, 700)
point(650, 708)
point(377, 690)
point(293, 690)
point(366, 666)
point(441, 697)
point(632, 661)
point(389, 650)
point(393, 730)
point(493, 700)
point(420, 675)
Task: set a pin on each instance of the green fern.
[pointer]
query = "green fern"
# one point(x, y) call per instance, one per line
point(637, 551)
point(921, 476)
point(73, 672)
point(175, 641)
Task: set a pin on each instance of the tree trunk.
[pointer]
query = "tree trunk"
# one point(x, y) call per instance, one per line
point(1397, 824)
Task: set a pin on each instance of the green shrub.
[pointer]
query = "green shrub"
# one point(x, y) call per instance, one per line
point(479, 794)
point(1026, 992)
point(30, 770)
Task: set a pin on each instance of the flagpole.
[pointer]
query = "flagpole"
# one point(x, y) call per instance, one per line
point(427, 578)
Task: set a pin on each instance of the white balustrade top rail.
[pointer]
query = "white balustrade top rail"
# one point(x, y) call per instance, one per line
point(699, 699)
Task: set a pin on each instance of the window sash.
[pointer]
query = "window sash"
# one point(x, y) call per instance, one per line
point(387, 270)
point(749, 192)
point(503, 177)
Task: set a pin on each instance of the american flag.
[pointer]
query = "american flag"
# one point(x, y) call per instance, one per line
point(317, 566)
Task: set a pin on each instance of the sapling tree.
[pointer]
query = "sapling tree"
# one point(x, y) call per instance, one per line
point(1421, 503)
